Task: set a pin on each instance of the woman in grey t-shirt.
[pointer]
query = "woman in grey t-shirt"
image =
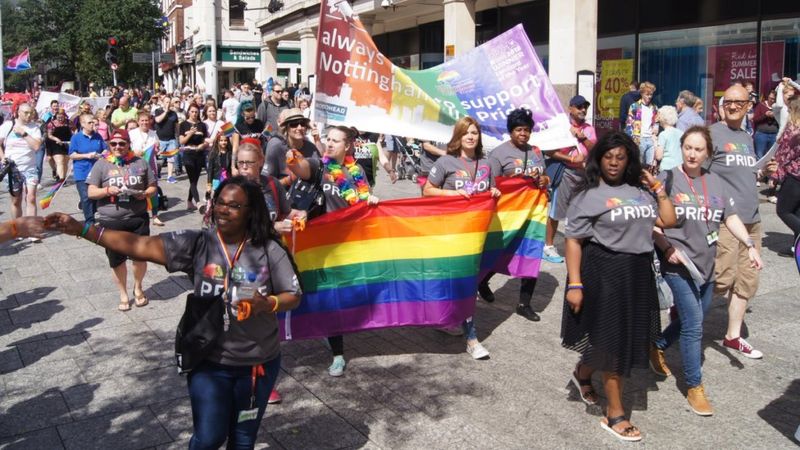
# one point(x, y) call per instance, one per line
point(463, 171)
point(343, 184)
point(702, 201)
point(611, 309)
point(241, 251)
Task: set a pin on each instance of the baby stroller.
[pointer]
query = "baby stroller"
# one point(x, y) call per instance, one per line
point(408, 160)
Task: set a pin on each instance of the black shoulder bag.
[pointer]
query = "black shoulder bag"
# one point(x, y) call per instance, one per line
point(200, 327)
point(306, 195)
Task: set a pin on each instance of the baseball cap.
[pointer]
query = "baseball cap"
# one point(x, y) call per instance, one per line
point(120, 133)
point(579, 100)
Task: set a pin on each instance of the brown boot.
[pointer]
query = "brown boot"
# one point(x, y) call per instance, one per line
point(658, 364)
point(699, 402)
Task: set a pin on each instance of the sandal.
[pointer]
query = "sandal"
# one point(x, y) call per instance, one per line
point(590, 396)
point(124, 305)
point(140, 300)
point(626, 434)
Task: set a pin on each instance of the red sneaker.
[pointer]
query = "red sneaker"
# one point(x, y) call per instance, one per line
point(274, 397)
point(742, 347)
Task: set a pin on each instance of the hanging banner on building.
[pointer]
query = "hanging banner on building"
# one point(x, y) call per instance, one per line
point(358, 86)
point(727, 63)
point(615, 76)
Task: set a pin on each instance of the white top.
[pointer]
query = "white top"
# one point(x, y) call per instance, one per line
point(230, 106)
point(213, 129)
point(647, 121)
point(141, 141)
point(16, 148)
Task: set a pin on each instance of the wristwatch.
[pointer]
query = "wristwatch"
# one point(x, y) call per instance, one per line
point(749, 243)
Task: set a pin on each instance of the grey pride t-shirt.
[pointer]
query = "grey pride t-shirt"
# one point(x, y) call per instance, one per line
point(508, 160)
point(453, 173)
point(195, 252)
point(136, 175)
point(620, 218)
point(698, 215)
point(734, 161)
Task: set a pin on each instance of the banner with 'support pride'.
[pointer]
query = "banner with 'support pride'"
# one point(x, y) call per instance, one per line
point(358, 86)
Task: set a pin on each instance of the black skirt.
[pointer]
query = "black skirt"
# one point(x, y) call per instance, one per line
point(619, 317)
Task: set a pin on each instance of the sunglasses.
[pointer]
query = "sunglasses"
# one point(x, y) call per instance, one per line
point(117, 144)
point(296, 124)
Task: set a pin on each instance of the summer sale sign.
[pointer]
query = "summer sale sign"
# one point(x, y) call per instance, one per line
point(739, 61)
point(358, 86)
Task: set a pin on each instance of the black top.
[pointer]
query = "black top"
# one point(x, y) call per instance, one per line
point(200, 135)
point(166, 128)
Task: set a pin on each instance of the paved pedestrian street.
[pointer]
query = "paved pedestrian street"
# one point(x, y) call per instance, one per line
point(76, 373)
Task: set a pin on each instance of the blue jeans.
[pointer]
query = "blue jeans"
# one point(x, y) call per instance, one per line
point(647, 151)
point(692, 302)
point(87, 206)
point(218, 394)
point(40, 162)
point(763, 142)
point(469, 329)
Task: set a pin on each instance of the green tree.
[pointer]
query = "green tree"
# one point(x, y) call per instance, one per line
point(67, 38)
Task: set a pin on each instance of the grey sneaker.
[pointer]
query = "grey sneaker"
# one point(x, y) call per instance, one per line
point(337, 368)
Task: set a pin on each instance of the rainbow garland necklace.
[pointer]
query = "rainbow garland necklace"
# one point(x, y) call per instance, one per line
point(351, 195)
point(117, 161)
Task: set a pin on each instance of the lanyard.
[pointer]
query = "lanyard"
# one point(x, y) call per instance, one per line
point(466, 167)
point(229, 260)
point(706, 204)
point(257, 371)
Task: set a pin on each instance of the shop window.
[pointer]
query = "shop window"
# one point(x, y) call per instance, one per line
point(615, 71)
point(236, 13)
point(780, 52)
point(675, 13)
point(703, 60)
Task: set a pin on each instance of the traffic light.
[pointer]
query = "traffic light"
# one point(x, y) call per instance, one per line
point(112, 56)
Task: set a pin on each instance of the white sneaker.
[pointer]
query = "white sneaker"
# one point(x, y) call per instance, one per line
point(477, 351)
point(772, 199)
point(550, 254)
point(35, 240)
point(337, 368)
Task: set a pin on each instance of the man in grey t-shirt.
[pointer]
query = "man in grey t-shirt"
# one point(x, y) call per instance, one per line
point(734, 162)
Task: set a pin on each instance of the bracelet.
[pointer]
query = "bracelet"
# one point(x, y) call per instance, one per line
point(277, 302)
point(86, 227)
point(659, 190)
point(14, 231)
point(99, 235)
point(574, 286)
point(108, 191)
point(655, 186)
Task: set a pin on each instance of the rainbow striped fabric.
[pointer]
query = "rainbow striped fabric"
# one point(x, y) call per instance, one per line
point(412, 262)
point(228, 129)
point(45, 201)
point(516, 235)
point(150, 156)
point(400, 263)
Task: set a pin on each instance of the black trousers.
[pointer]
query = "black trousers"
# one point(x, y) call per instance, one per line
point(788, 207)
point(193, 162)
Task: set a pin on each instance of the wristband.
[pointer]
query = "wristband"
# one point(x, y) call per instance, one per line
point(86, 227)
point(277, 302)
point(99, 235)
point(655, 186)
point(571, 286)
point(659, 190)
point(14, 231)
point(108, 192)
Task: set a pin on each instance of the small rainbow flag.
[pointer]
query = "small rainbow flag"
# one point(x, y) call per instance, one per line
point(170, 153)
point(150, 157)
point(45, 201)
point(411, 262)
point(516, 235)
point(797, 252)
point(228, 129)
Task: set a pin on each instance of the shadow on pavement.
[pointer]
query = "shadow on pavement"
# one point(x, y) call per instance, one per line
point(783, 413)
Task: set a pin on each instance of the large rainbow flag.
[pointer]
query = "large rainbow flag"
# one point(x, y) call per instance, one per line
point(412, 262)
point(400, 263)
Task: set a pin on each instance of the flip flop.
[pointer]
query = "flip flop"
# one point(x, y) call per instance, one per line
point(140, 300)
point(124, 306)
point(623, 435)
point(579, 383)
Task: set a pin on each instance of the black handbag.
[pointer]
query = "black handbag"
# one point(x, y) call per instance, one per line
point(306, 195)
point(199, 329)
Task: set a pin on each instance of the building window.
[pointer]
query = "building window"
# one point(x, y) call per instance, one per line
point(236, 13)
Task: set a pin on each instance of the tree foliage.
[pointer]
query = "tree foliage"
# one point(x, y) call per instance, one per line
point(67, 38)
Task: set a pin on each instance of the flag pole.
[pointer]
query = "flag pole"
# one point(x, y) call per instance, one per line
point(2, 69)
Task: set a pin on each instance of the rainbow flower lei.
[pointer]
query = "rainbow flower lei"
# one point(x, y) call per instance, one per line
point(117, 161)
point(350, 194)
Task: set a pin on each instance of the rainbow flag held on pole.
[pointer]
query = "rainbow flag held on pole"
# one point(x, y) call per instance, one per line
point(516, 235)
point(228, 129)
point(411, 262)
point(20, 62)
point(45, 201)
